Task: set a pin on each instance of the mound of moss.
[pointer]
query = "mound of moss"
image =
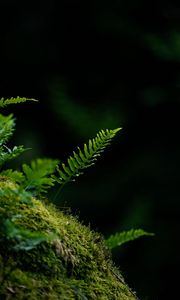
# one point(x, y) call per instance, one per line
point(73, 264)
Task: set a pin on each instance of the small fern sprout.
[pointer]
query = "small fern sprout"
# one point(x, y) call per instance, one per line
point(84, 158)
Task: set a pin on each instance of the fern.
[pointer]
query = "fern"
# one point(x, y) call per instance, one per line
point(37, 174)
point(84, 158)
point(12, 100)
point(8, 154)
point(37, 177)
point(7, 124)
point(15, 176)
point(120, 238)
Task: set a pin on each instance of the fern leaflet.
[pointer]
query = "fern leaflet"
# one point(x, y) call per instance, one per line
point(7, 124)
point(8, 154)
point(120, 238)
point(37, 174)
point(12, 100)
point(85, 158)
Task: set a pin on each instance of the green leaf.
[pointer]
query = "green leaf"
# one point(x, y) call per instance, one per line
point(7, 124)
point(90, 148)
point(67, 170)
point(37, 175)
point(120, 238)
point(14, 100)
point(71, 164)
point(15, 176)
point(78, 159)
point(85, 157)
point(87, 154)
point(81, 155)
point(8, 154)
point(74, 162)
point(62, 174)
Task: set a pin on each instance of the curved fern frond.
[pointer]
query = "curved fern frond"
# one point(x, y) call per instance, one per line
point(120, 238)
point(84, 158)
point(14, 100)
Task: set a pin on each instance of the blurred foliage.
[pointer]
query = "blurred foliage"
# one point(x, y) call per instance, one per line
point(84, 120)
point(96, 65)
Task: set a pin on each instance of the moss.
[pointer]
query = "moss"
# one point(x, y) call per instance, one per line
point(75, 264)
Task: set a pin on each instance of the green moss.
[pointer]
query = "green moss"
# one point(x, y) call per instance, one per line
point(75, 264)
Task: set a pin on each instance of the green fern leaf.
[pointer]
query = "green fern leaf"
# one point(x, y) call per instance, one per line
point(12, 100)
point(62, 174)
point(78, 160)
point(85, 157)
point(67, 170)
point(81, 155)
point(90, 148)
point(37, 175)
point(7, 124)
point(74, 163)
point(15, 176)
point(8, 154)
point(120, 238)
point(71, 164)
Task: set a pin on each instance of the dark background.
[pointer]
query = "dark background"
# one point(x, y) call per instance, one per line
point(105, 64)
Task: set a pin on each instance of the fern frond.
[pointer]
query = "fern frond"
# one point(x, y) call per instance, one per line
point(84, 158)
point(37, 174)
point(15, 176)
point(8, 154)
point(120, 238)
point(14, 100)
point(7, 124)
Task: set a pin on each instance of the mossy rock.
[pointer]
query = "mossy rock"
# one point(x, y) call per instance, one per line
point(75, 264)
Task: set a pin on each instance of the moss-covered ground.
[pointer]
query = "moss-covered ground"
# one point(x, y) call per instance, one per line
point(74, 264)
